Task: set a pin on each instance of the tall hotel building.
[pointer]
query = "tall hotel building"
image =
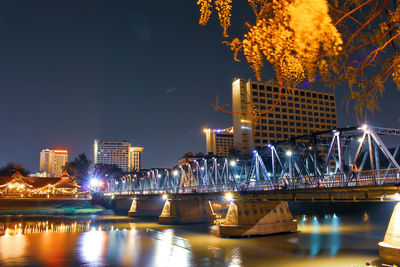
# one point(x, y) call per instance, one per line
point(219, 141)
point(300, 112)
point(53, 161)
point(122, 154)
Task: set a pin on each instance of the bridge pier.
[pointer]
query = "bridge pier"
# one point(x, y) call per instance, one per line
point(389, 248)
point(253, 217)
point(146, 206)
point(186, 210)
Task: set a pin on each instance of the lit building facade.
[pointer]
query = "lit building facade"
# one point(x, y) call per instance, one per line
point(299, 112)
point(135, 158)
point(18, 185)
point(219, 142)
point(122, 154)
point(53, 161)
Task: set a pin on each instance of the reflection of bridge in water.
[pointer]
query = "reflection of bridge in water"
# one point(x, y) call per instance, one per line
point(347, 164)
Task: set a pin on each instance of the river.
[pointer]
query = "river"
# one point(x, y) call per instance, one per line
point(322, 240)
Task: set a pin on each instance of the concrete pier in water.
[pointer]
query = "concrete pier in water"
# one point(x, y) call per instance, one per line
point(250, 217)
point(180, 211)
point(389, 248)
point(146, 207)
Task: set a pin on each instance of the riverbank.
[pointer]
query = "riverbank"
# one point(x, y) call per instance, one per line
point(40, 206)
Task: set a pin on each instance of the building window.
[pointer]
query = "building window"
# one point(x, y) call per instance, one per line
point(254, 86)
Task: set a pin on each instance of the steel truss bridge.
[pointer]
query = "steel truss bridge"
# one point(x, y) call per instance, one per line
point(339, 158)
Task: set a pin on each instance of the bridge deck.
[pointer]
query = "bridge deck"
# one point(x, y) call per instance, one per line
point(371, 193)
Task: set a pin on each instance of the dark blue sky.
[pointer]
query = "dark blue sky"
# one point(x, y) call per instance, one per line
point(142, 71)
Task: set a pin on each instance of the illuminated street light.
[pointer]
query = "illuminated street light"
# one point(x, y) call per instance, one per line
point(94, 182)
point(289, 153)
point(229, 196)
point(164, 197)
point(175, 173)
point(364, 127)
point(232, 163)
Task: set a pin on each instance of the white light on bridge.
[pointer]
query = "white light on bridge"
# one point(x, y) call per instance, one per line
point(232, 163)
point(289, 153)
point(229, 196)
point(364, 127)
point(164, 197)
point(175, 173)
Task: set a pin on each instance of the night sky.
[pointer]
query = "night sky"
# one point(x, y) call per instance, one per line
point(141, 71)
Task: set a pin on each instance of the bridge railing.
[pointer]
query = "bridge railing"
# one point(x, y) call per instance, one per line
point(339, 180)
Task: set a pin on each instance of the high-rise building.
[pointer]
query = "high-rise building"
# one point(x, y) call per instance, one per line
point(135, 158)
point(219, 141)
point(298, 112)
point(53, 161)
point(122, 154)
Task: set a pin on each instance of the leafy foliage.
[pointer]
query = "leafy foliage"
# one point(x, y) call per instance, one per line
point(79, 168)
point(107, 171)
point(351, 42)
point(11, 168)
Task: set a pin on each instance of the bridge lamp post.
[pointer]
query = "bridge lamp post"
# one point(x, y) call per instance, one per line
point(289, 153)
point(273, 162)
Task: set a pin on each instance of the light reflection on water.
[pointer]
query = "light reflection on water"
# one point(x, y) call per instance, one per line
point(88, 243)
point(91, 246)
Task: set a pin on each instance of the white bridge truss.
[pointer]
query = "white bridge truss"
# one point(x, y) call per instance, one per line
point(342, 157)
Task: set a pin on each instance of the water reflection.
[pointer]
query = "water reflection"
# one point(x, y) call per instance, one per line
point(235, 258)
point(170, 249)
point(37, 227)
point(91, 243)
point(315, 238)
point(91, 246)
point(334, 237)
point(13, 249)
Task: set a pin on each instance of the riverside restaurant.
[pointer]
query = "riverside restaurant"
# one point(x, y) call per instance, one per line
point(19, 186)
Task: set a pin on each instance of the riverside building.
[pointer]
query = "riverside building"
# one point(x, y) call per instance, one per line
point(122, 154)
point(53, 161)
point(300, 112)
